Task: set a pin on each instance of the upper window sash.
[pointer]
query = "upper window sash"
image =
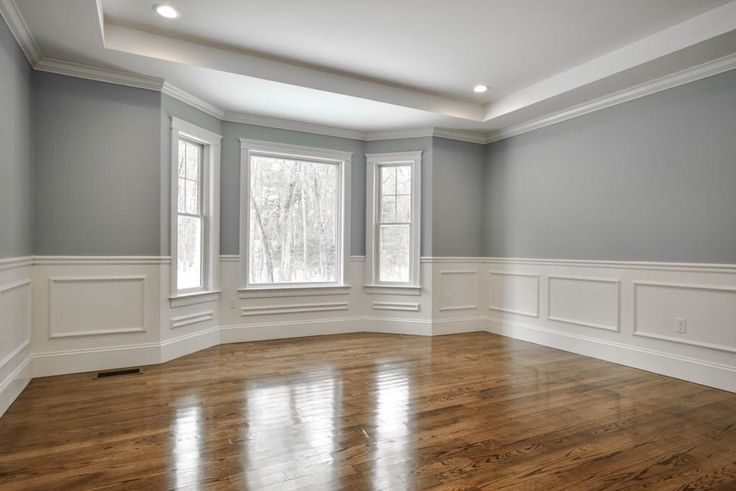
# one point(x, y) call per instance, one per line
point(250, 148)
point(375, 162)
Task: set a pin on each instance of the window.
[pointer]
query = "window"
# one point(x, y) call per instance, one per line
point(393, 218)
point(195, 204)
point(294, 208)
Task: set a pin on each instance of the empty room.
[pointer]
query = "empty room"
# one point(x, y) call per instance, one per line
point(367, 245)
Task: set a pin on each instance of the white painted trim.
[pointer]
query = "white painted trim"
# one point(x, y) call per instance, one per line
point(373, 162)
point(399, 306)
point(52, 280)
point(22, 34)
point(6, 288)
point(194, 298)
point(211, 156)
point(686, 368)
point(15, 262)
point(357, 258)
point(342, 159)
point(473, 272)
point(688, 75)
point(663, 337)
point(99, 260)
point(12, 386)
point(192, 100)
point(459, 135)
point(292, 125)
point(397, 134)
point(303, 291)
point(189, 343)
point(292, 308)
point(511, 311)
point(392, 290)
point(229, 258)
point(645, 265)
point(98, 74)
point(617, 282)
point(195, 318)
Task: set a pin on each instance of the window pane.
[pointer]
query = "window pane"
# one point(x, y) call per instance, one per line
point(388, 209)
point(388, 180)
point(293, 221)
point(191, 205)
point(192, 159)
point(181, 198)
point(189, 253)
point(403, 179)
point(182, 159)
point(393, 250)
point(403, 209)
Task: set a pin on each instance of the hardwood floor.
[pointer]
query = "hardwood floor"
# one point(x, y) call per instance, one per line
point(372, 411)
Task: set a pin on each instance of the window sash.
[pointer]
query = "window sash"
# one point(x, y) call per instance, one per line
point(200, 214)
point(339, 219)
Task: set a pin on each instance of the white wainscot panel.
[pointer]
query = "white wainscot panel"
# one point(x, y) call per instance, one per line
point(707, 312)
point(15, 318)
point(514, 293)
point(459, 290)
point(96, 305)
point(585, 301)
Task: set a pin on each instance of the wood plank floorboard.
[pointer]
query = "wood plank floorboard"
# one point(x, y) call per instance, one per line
point(366, 411)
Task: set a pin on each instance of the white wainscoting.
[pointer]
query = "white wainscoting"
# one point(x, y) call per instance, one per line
point(514, 292)
point(92, 313)
point(96, 305)
point(15, 328)
point(586, 301)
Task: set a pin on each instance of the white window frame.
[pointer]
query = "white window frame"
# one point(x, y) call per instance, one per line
point(210, 189)
point(373, 162)
point(343, 161)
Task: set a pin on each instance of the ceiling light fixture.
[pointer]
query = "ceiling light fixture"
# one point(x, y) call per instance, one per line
point(480, 88)
point(166, 10)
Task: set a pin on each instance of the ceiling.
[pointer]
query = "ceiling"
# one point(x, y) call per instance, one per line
point(386, 65)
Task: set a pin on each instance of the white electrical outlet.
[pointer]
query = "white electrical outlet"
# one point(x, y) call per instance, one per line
point(681, 325)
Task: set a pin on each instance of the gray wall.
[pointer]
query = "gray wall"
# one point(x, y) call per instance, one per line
point(411, 145)
point(16, 164)
point(653, 179)
point(97, 168)
point(230, 182)
point(457, 195)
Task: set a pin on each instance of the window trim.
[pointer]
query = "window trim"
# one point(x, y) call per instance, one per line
point(210, 204)
point(373, 162)
point(343, 160)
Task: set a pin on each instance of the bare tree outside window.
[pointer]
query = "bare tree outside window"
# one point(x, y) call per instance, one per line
point(293, 213)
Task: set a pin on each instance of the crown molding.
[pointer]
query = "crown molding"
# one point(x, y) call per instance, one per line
point(18, 27)
point(693, 74)
point(465, 136)
point(98, 73)
point(292, 125)
point(192, 100)
point(397, 134)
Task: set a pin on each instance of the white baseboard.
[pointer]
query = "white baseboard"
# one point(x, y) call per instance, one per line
point(189, 343)
point(93, 359)
point(672, 365)
point(14, 383)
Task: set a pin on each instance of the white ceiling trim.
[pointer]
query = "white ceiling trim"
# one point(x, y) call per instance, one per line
point(99, 74)
point(192, 100)
point(698, 72)
point(18, 27)
point(292, 125)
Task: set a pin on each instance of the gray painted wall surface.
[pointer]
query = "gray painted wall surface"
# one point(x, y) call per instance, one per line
point(230, 173)
point(171, 107)
point(457, 207)
point(410, 145)
point(16, 164)
point(650, 180)
point(97, 168)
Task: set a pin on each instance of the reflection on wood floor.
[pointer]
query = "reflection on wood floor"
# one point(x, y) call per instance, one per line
point(372, 411)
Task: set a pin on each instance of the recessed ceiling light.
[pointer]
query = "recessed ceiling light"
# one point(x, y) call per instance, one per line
point(480, 88)
point(166, 10)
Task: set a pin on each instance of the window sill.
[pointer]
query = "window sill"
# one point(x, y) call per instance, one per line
point(293, 291)
point(392, 290)
point(194, 298)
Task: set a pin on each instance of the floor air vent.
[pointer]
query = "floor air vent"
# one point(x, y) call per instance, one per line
point(118, 372)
